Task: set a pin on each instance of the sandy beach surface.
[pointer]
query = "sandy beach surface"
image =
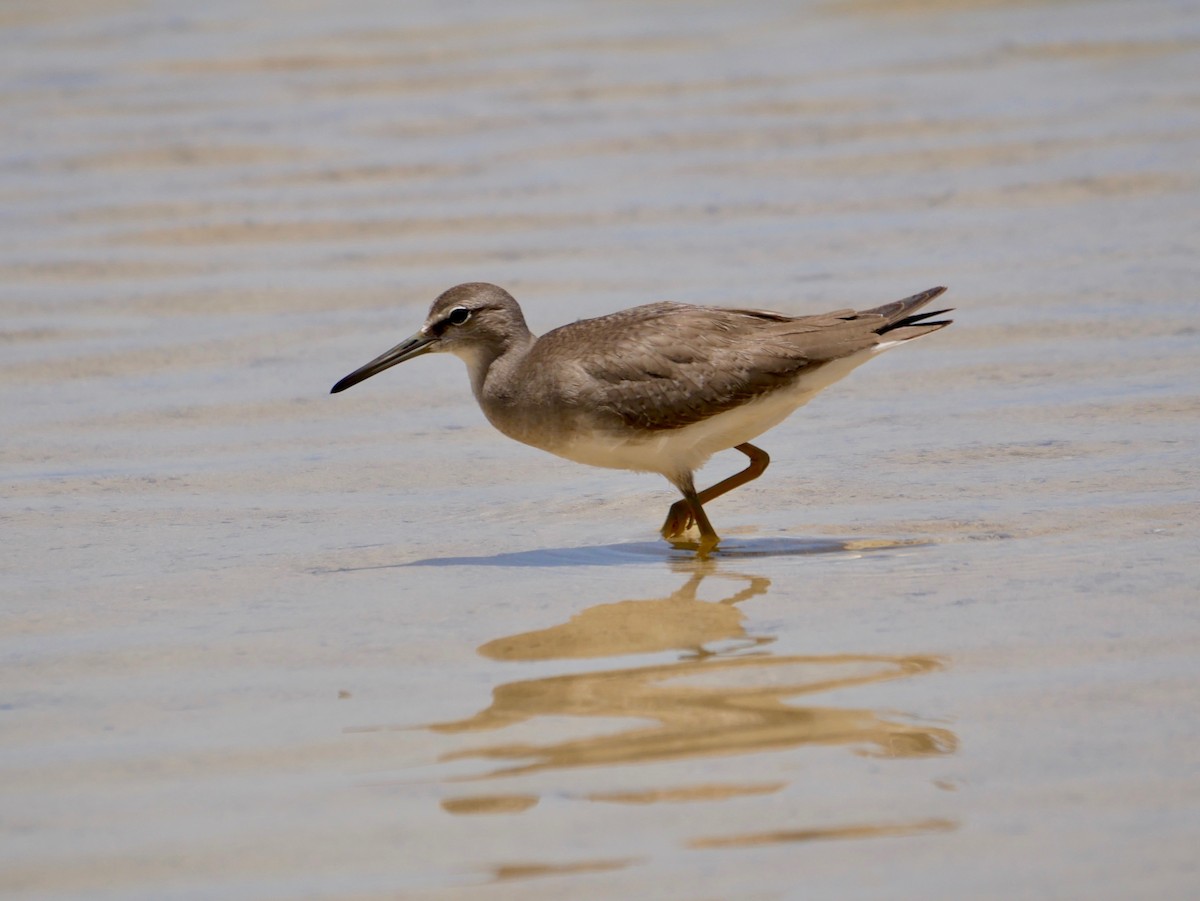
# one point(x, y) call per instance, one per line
point(258, 642)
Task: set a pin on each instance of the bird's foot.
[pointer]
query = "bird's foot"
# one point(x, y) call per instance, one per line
point(679, 520)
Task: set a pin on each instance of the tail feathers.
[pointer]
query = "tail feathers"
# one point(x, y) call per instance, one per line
point(898, 309)
point(919, 319)
point(894, 336)
point(901, 323)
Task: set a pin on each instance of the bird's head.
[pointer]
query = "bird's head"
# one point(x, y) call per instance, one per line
point(475, 321)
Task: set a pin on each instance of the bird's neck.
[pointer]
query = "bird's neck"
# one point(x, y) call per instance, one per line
point(493, 368)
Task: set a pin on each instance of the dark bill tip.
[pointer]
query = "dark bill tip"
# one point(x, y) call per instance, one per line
point(412, 347)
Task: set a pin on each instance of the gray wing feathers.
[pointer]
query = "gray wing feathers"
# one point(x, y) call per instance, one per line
point(665, 365)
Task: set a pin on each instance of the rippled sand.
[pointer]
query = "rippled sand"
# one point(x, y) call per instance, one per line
point(260, 642)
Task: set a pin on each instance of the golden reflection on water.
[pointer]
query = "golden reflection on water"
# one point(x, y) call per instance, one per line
point(734, 699)
point(529, 870)
point(833, 832)
point(680, 621)
point(711, 792)
point(748, 714)
point(489, 804)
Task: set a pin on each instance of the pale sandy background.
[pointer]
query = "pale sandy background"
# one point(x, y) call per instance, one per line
point(260, 642)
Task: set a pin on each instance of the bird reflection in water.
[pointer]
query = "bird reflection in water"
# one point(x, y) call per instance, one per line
point(726, 695)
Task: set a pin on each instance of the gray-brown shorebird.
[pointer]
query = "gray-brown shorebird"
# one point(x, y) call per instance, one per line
point(656, 388)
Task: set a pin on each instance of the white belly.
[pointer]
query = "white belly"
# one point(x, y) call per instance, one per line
point(676, 451)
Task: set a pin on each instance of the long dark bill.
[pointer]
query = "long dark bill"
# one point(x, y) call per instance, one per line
point(407, 349)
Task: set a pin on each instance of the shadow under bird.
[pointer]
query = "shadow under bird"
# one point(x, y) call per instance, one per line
point(656, 388)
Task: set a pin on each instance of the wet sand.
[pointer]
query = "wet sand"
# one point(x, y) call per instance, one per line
point(260, 642)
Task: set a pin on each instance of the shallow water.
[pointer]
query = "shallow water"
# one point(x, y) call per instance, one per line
point(260, 642)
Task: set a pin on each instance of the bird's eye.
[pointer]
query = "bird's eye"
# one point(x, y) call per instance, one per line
point(458, 316)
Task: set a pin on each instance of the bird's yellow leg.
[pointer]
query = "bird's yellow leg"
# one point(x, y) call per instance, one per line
point(680, 517)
